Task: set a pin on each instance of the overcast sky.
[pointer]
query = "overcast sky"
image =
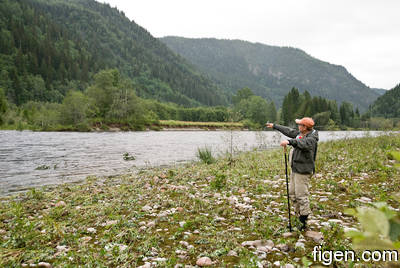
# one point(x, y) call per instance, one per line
point(361, 35)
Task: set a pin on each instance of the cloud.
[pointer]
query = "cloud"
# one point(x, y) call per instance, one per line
point(362, 35)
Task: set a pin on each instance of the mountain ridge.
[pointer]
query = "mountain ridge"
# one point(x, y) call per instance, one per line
point(65, 40)
point(270, 71)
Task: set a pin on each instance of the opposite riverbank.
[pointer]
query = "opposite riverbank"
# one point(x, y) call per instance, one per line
point(164, 125)
point(233, 211)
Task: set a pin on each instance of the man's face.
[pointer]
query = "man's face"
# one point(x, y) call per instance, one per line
point(302, 128)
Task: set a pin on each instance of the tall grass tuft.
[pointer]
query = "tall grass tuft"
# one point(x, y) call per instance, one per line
point(205, 155)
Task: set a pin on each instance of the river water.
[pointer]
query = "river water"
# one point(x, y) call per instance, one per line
point(72, 156)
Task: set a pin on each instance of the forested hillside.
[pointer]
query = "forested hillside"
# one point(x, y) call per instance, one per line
point(388, 105)
point(49, 47)
point(271, 71)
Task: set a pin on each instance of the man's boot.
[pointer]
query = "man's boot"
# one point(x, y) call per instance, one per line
point(303, 220)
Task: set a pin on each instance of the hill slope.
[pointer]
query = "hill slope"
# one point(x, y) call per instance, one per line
point(270, 71)
point(388, 105)
point(47, 47)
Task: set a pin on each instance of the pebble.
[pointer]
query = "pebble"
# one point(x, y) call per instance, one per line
point(180, 252)
point(299, 245)
point(277, 264)
point(247, 199)
point(146, 208)
point(146, 265)
point(180, 209)
point(219, 218)
point(269, 243)
point(312, 222)
point(151, 224)
point(232, 253)
point(204, 261)
point(108, 223)
point(255, 243)
point(184, 243)
point(60, 204)
point(287, 234)
point(62, 248)
point(364, 200)
point(288, 266)
point(44, 264)
point(160, 259)
point(283, 247)
point(86, 239)
point(265, 249)
point(91, 230)
point(326, 224)
point(337, 221)
point(348, 229)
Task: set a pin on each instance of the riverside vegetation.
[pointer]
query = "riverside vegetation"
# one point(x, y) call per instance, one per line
point(81, 65)
point(223, 213)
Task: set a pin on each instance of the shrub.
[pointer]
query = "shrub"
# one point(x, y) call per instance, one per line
point(205, 155)
point(218, 182)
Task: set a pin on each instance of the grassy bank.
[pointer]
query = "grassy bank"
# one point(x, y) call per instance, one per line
point(201, 125)
point(157, 125)
point(177, 215)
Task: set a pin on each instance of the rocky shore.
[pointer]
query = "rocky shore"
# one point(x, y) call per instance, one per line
point(232, 212)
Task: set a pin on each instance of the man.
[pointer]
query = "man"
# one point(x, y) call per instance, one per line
point(304, 142)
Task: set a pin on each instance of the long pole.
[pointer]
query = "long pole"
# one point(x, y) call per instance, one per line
point(287, 188)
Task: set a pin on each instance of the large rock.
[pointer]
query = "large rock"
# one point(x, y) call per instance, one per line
point(316, 236)
point(204, 261)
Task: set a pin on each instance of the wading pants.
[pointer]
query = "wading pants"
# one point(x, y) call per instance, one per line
point(298, 192)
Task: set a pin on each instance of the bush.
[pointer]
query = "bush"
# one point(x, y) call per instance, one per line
point(218, 182)
point(205, 155)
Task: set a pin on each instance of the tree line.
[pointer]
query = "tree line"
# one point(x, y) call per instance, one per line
point(111, 100)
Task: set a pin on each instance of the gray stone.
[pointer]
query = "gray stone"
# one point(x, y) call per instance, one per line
point(287, 234)
point(316, 236)
point(204, 261)
point(44, 264)
point(146, 208)
point(232, 253)
point(299, 245)
point(283, 247)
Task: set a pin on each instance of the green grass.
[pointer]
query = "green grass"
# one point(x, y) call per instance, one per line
point(189, 124)
point(212, 207)
point(205, 155)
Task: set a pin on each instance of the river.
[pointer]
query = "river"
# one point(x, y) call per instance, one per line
point(31, 159)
